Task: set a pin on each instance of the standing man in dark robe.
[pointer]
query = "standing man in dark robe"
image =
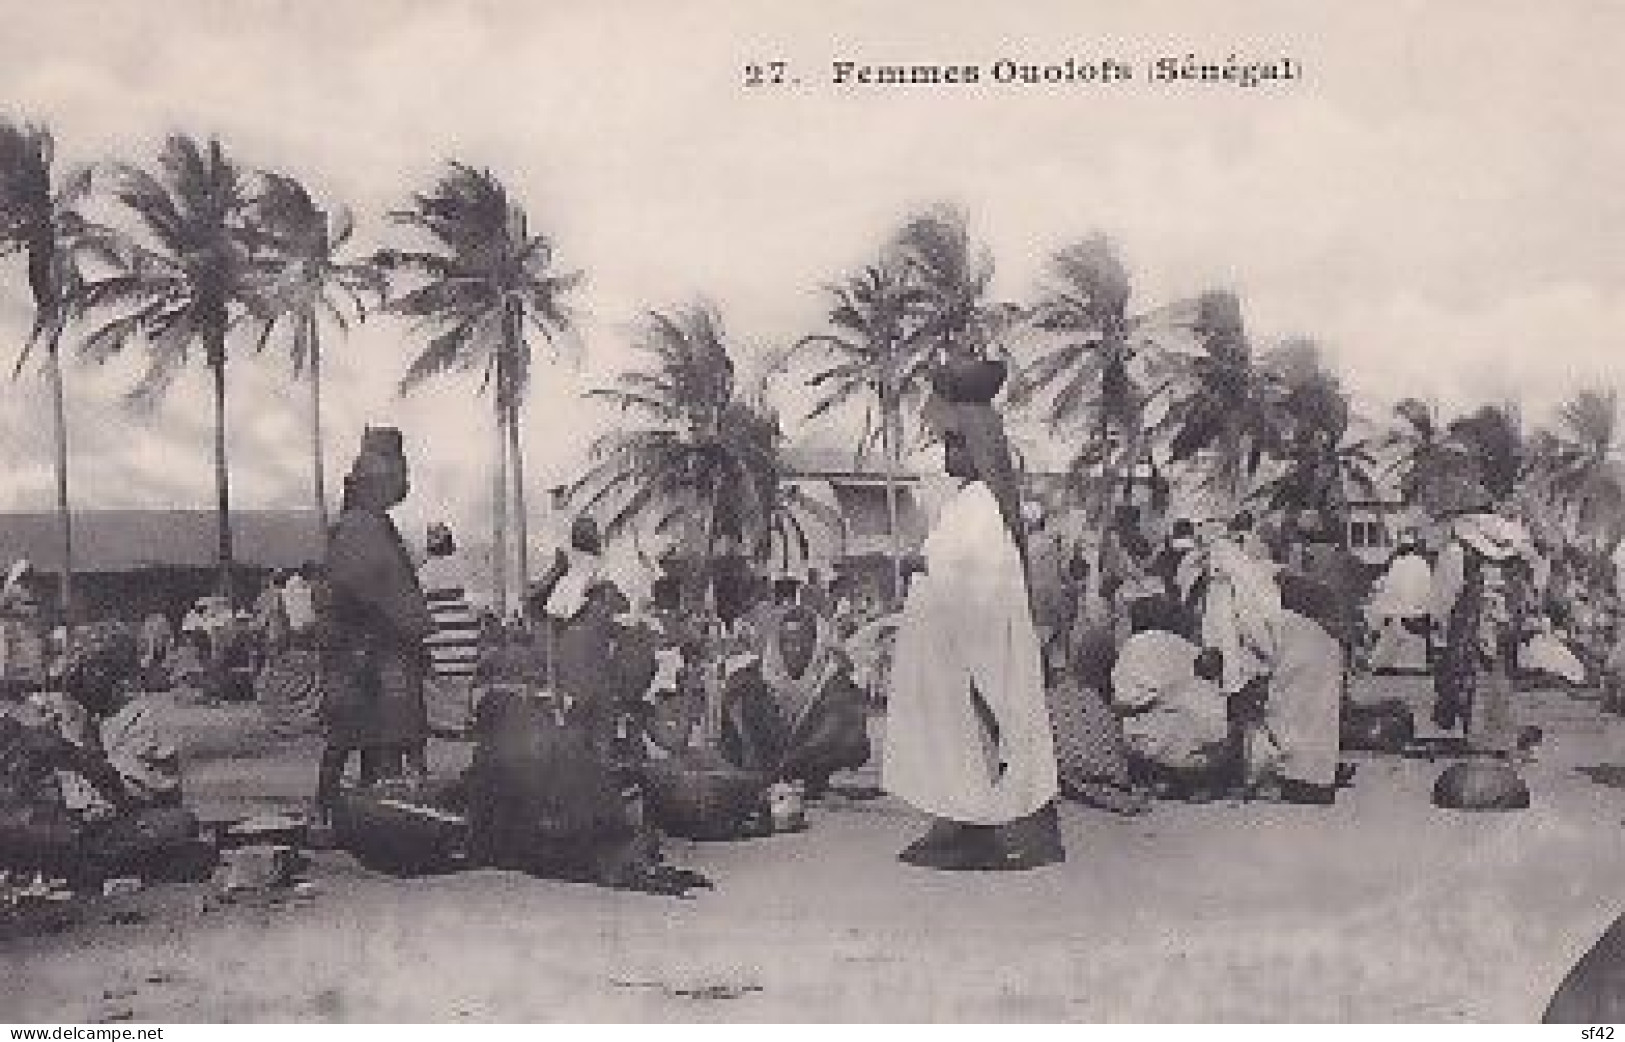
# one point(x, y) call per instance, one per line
point(373, 659)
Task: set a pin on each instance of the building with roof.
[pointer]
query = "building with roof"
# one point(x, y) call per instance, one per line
point(130, 561)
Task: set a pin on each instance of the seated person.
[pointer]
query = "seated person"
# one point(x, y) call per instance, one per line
point(189, 662)
point(138, 826)
point(1547, 658)
point(132, 824)
point(542, 799)
point(604, 667)
point(1174, 712)
point(796, 714)
point(23, 651)
point(37, 832)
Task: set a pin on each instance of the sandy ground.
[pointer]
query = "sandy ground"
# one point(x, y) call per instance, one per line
point(1380, 909)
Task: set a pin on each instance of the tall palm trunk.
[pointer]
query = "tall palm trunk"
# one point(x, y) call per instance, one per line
point(499, 522)
point(1103, 501)
point(64, 515)
point(712, 657)
point(892, 421)
point(520, 516)
point(318, 472)
point(1132, 452)
point(521, 522)
point(513, 334)
point(216, 351)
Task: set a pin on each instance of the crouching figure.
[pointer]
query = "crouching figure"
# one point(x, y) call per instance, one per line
point(796, 715)
point(544, 799)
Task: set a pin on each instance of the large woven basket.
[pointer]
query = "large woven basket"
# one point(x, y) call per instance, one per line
point(700, 800)
point(402, 827)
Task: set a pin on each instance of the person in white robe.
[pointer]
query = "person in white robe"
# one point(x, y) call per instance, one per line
point(1400, 610)
point(1174, 714)
point(1545, 654)
point(1284, 674)
point(1241, 613)
point(968, 737)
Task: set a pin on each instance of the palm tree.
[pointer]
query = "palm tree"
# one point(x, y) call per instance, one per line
point(880, 357)
point(40, 219)
point(1322, 460)
point(1578, 464)
point(307, 281)
point(704, 459)
point(489, 279)
point(1108, 368)
point(955, 275)
point(1231, 411)
point(184, 279)
point(778, 511)
point(1490, 443)
point(1418, 446)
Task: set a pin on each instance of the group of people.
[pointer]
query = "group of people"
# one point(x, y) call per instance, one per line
point(776, 696)
point(1022, 665)
point(1020, 669)
point(90, 770)
point(1023, 673)
point(1031, 667)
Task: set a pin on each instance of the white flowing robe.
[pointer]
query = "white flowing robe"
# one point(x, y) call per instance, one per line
point(1241, 614)
point(1406, 589)
point(1300, 737)
point(967, 622)
point(1405, 592)
point(1546, 653)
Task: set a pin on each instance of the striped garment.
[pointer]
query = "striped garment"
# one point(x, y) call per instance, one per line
point(454, 645)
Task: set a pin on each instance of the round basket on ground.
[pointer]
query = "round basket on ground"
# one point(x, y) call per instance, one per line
point(704, 801)
point(1481, 785)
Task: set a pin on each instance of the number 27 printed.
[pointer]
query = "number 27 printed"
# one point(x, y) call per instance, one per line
point(765, 74)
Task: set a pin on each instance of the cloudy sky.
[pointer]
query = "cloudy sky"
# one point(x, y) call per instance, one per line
point(1437, 200)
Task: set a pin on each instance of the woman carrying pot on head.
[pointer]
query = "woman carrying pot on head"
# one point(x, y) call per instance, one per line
point(968, 737)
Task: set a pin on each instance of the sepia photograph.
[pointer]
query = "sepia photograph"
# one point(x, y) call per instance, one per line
point(707, 511)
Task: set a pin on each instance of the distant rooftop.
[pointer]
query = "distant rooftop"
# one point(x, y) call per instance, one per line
point(126, 540)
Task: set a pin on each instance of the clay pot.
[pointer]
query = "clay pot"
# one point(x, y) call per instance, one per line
point(970, 381)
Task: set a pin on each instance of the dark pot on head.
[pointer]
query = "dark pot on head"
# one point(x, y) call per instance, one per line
point(970, 381)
